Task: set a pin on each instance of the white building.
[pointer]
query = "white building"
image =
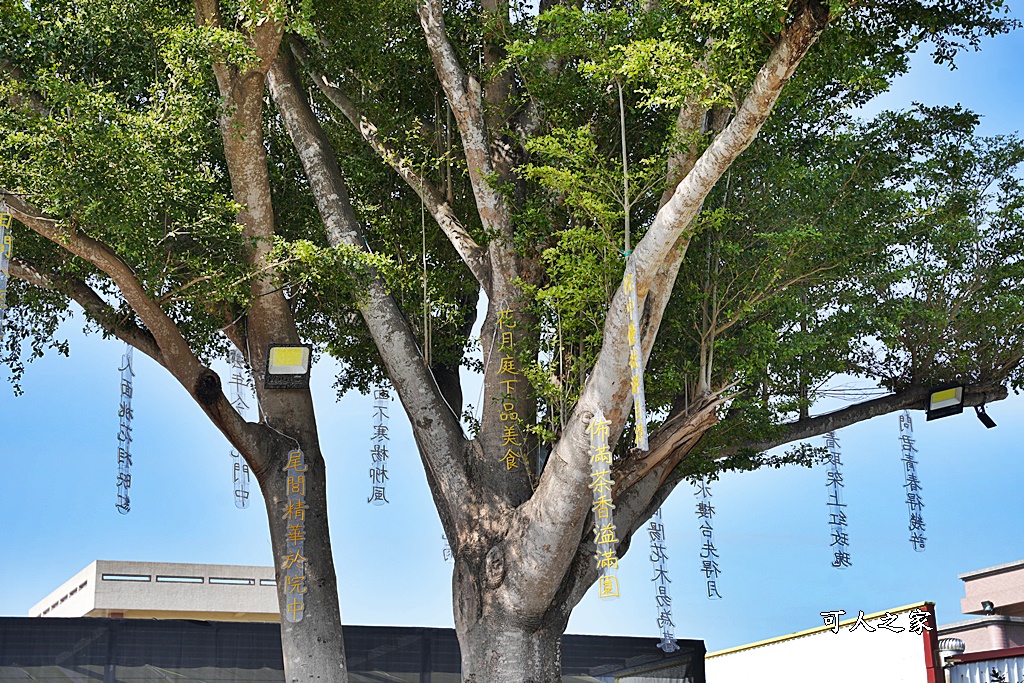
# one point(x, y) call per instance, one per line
point(895, 646)
point(165, 590)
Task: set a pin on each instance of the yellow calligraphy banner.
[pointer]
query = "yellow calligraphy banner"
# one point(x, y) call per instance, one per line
point(636, 368)
point(294, 562)
point(601, 484)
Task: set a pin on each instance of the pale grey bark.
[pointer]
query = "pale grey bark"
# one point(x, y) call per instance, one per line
point(465, 96)
point(313, 648)
point(175, 351)
point(549, 523)
point(527, 570)
point(474, 256)
point(435, 426)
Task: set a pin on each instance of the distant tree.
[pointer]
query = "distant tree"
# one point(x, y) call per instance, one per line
point(887, 250)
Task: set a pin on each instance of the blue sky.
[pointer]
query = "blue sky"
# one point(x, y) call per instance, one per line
point(771, 528)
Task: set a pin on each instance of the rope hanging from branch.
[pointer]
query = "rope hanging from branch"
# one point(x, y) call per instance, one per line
point(426, 297)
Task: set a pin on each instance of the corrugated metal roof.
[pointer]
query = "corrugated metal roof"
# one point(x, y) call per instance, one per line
point(1005, 669)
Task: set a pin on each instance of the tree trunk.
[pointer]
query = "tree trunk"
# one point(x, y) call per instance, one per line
point(497, 645)
point(508, 653)
point(312, 647)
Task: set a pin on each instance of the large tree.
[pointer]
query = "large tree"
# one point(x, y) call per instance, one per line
point(375, 168)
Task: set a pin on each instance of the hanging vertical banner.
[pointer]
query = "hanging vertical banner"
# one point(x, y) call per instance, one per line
point(124, 434)
point(239, 467)
point(913, 486)
point(6, 242)
point(708, 552)
point(511, 439)
point(604, 526)
point(295, 515)
point(636, 365)
point(379, 447)
point(836, 507)
point(662, 596)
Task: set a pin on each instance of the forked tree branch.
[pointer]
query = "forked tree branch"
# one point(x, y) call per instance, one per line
point(466, 100)
point(435, 425)
point(92, 303)
point(201, 382)
point(563, 495)
point(636, 502)
point(472, 253)
point(12, 72)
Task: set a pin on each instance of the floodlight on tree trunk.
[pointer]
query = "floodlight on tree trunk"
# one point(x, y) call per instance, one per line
point(287, 367)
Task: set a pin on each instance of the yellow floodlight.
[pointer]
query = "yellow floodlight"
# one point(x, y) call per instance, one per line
point(945, 402)
point(287, 366)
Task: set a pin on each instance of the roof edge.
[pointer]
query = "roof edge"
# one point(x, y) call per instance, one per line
point(986, 655)
point(980, 622)
point(812, 631)
point(998, 569)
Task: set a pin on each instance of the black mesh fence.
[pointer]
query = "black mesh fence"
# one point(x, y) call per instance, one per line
point(86, 650)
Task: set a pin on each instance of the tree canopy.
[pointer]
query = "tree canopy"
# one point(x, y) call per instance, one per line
point(355, 175)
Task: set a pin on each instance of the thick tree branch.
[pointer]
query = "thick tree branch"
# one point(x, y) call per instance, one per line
point(472, 253)
point(913, 398)
point(637, 497)
point(676, 436)
point(93, 304)
point(12, 72)
point(201, 382)
point(796, 39)
point(563, 496)
point(632, 512)
point(693, 120)
point(269, 318)
point(466, 100)
point(635, 505)
point(436, 426)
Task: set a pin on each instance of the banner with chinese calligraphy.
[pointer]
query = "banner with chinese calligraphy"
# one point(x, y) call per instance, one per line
point(708, 552)
point(124, 434)
point(836, 507)
point(511, 440)
point(604, 526)
point(662, 596)
point(379, 447)
point(6, 242)
point(295, 515)
point(636, 365)
point(908, 445)
point(239, 467)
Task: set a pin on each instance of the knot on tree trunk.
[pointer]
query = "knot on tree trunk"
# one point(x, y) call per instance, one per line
point(208, 390)
point(494, 566)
